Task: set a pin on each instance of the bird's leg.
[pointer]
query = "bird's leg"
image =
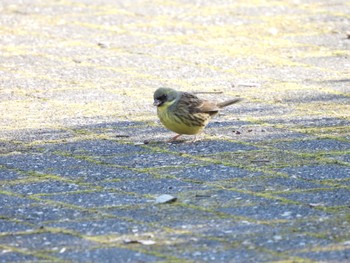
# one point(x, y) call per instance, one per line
point(174, 138)
point(197, 137)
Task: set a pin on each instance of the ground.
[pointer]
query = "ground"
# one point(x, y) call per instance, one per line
point(83, 157)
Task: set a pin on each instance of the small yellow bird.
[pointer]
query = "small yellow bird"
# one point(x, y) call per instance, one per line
point(185, 113)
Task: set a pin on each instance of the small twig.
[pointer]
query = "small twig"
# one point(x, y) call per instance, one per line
point(260, 161)
point(202, 196)
point(122, 136)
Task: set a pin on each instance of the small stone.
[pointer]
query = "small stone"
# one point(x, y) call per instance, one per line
point(273, 31)
point(165, 198)
point(76, 61)
point(197, 254)
point(277, 238)
point(102, 45)
point(287, 214)
point(147, 242)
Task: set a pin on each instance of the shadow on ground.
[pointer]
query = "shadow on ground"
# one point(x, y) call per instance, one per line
point(89, 192)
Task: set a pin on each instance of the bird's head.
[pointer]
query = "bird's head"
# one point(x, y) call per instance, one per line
point(164, 95)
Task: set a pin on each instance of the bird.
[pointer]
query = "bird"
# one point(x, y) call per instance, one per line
point(185, 113)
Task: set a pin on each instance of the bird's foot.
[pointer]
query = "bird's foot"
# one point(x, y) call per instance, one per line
point(174, 138)
point(195, 139)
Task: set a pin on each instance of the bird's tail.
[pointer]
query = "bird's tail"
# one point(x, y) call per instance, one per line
point(228, 102)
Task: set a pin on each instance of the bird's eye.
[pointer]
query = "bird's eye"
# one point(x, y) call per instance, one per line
point(163, 97)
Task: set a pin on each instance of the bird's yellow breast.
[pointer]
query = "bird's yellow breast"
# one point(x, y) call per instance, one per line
point(174, 123)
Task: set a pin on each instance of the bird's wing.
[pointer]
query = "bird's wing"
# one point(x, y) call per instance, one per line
point(196, 105)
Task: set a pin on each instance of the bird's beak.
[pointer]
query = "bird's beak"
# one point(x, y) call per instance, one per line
point(157, 103)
